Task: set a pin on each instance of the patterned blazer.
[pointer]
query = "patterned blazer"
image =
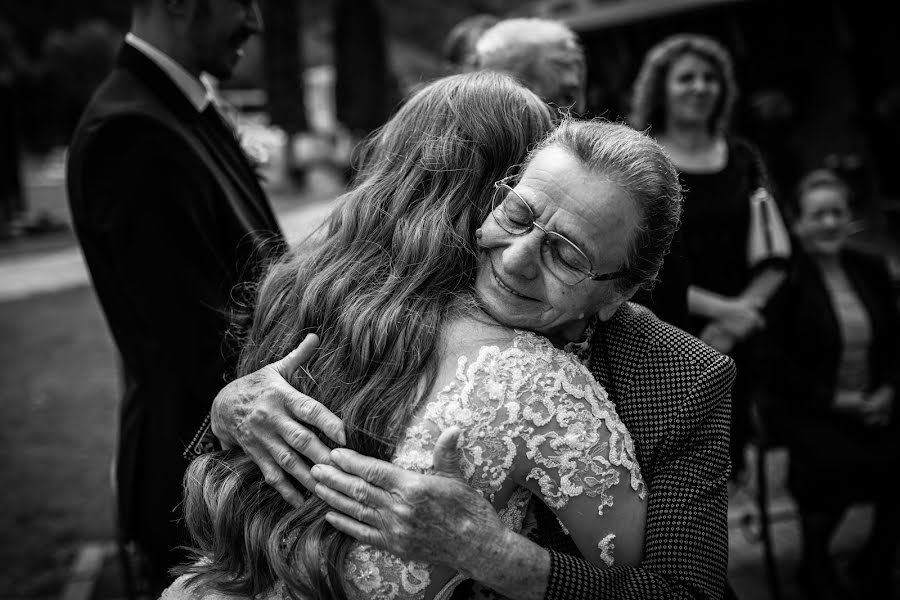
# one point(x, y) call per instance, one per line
point(673, 393)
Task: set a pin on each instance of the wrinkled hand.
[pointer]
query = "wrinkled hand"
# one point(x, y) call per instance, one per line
point(436, 519)
point(264, 414)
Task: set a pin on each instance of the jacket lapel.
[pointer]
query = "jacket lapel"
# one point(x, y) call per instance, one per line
point(222, 144)
point(222, 150)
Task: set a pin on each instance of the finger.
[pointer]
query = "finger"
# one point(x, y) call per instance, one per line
point(347, 506)
point(296, 357)
point(355, 529)
point(287, 460)
point(303, 441)
point(311, 412)
point(447, 454)
point(351, 486)
point(377, 472)
point(276, 478)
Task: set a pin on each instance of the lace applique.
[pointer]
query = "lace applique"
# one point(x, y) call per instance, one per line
point(380, 575)
point(528, 392)
point(513, 514)
point(515, 393)
point(607, 547)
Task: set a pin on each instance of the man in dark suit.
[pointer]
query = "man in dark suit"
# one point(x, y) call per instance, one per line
point(171, 217)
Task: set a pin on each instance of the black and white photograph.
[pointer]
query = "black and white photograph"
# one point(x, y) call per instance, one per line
point(449, 300)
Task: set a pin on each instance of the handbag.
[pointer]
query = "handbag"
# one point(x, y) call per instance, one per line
point(768, 238)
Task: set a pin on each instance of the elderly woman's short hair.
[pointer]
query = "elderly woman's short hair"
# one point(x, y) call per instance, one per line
point(640, 166)
point(648, 108)
point(513, 43)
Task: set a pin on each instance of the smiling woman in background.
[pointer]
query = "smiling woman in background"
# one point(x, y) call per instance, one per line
point(834, 348)
point(684, 93)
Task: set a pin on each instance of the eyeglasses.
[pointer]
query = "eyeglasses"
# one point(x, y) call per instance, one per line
point(566, 261)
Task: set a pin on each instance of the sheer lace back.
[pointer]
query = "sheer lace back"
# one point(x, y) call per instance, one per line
point(525, 405)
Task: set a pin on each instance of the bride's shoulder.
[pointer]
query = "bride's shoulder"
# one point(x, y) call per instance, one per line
point(466, 336)
point(499, 355)
point(184, 588)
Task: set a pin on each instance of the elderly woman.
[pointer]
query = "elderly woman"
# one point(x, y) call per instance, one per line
point(684, 92)
point(415, 308)
point(543, 54)
point(834, 344)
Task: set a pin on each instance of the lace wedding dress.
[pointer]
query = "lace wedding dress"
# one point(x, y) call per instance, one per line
point(526, 407)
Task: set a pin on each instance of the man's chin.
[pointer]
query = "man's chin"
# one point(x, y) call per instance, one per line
point(223, 69)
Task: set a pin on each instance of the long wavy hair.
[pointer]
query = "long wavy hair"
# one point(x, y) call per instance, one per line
point(648, 99)
point(398, 257)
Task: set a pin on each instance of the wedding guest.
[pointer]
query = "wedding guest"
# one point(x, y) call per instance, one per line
point(684, 93)
point(170, 216)
point(834, 347)
point(543, 54)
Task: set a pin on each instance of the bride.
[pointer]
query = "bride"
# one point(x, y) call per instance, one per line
point(416, 306)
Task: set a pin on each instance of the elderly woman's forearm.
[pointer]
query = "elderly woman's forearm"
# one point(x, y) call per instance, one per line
point(512, 565)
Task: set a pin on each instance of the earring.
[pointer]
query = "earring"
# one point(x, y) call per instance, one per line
point(478, 234)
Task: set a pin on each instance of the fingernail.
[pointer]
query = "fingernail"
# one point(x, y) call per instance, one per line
point(336, 454)
point(315, 471)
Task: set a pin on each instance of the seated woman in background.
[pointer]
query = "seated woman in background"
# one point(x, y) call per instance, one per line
point(428, 263)
point(834, 340)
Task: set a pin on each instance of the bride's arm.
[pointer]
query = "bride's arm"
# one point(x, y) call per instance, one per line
point(579, 460)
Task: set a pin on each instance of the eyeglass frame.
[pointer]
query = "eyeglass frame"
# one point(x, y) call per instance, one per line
point(589, 274)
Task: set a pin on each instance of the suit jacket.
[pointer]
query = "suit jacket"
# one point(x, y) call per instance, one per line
point(673, 393)
point(171, 217)
point(803, 351)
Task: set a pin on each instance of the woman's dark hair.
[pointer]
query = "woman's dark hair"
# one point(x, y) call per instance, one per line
point(648, 101)
point(398, 257)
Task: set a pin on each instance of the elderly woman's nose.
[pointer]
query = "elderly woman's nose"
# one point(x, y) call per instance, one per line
point(522, 257)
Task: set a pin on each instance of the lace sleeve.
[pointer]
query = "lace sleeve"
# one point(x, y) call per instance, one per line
point(534, 416)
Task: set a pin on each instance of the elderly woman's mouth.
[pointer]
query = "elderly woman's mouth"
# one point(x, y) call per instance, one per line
point(505, 287)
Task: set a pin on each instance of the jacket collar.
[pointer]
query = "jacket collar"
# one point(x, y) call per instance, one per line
point(197, 91)
point(157, 81)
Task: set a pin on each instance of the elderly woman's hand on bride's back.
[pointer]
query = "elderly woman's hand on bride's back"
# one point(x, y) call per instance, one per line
point(268, 418)
point(436, 518)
